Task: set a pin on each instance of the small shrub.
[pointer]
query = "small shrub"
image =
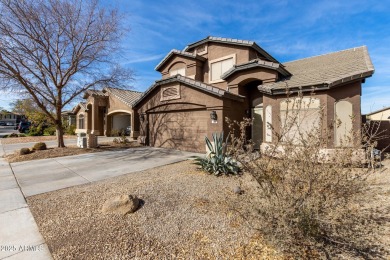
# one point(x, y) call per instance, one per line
point(51, 130)
point(71, 130)
point(13, 135)
point(35, 131)
point(24, 151)
point(121, 140)
point(216, 162)
point(39, 146)
point(117, 132)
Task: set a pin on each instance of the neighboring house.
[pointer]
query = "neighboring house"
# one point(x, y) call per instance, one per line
point(380, 122)
point(69, 118)
point(216, 78)
point(107, 111)
point(11, 118)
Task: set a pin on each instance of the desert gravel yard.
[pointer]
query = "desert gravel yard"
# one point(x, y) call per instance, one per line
point(186, 214)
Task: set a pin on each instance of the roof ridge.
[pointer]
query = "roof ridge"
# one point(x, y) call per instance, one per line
point(325, 54)
point(130, 90)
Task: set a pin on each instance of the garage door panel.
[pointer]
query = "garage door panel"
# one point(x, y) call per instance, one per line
point(181, 130)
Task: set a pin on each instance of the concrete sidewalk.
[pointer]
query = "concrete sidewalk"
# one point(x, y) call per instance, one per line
point(19, 234)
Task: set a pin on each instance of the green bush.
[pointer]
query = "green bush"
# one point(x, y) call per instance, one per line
point(35, 130)
point(216, 161)
point(24, 151)
point(117, 132)
point(39, 146)
point(51, 130)
point(70, 130)
point(13, 135)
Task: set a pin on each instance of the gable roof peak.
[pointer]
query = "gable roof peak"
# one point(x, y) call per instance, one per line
point(232, 41)
point(178, 52)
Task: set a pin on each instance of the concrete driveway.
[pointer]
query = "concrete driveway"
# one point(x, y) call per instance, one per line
point(39, 176)
point(19, 180)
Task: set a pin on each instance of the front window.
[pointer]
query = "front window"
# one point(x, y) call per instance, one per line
point(81, 121)
point(299, 118)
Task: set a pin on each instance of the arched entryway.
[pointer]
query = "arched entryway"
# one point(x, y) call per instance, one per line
point(254, 108)
point(118, 122)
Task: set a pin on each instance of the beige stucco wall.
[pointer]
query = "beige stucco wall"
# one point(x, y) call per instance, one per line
point(239, 79)
point(350, 92)
point(383, 115)
point(190, 112)
point(193, 67)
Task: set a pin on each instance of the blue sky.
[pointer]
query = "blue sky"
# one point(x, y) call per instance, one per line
point(288, 30)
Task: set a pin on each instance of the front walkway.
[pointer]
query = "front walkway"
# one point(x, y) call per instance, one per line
point(19, 234)
point(20, 237)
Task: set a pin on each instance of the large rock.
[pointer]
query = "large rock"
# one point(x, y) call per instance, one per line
point(121, 204)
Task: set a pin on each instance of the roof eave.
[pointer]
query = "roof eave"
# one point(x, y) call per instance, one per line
point(317, 87)
point(253, 45)
point(184, 80)
point(172, 53)
point(254, 64)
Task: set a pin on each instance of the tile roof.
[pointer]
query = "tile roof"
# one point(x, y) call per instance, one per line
point(92, 92)
point(257, 63)
point(193, 83)
point(126, 96)
point(181, 53)
point(81, 105)
point(251, 44)
point(324, 71)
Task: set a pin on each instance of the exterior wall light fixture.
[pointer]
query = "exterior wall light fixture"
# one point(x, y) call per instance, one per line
point(142, 117)
point(213, 116)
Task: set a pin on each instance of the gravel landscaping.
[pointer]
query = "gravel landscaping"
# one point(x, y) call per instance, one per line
point(66, 151)
point(29, 139)
point(185, 214)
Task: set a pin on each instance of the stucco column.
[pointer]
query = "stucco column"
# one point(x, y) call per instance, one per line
point(95, 120)
point(107, 125)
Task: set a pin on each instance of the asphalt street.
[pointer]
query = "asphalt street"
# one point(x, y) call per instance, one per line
point(6, 130)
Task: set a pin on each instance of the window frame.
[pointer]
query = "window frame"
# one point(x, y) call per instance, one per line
point(231, 56)
point(81, 118)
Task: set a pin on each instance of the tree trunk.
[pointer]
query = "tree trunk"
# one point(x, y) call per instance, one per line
point(59, 131)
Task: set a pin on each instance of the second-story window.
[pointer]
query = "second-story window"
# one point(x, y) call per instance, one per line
point(219, 66)
point(181, 71)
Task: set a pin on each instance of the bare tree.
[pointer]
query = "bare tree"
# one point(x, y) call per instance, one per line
point(54, 50)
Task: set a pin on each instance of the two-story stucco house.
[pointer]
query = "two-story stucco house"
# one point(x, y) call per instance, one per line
point(216, 78)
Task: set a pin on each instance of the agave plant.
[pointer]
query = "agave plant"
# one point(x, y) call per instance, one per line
point(216, 161)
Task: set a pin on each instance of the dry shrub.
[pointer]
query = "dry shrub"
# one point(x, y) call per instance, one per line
point(24, 151)
point(39, 146)
point(311, 204)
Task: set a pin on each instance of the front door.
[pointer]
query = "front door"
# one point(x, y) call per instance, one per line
point(257, 126)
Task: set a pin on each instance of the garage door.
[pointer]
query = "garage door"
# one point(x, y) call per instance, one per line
point(179, 130)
